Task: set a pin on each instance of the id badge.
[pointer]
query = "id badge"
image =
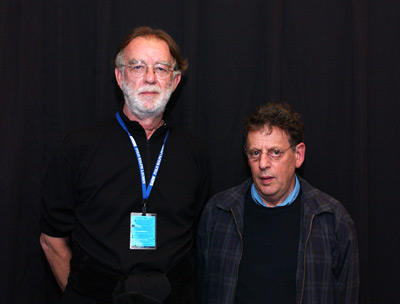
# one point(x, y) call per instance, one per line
point(143, 231)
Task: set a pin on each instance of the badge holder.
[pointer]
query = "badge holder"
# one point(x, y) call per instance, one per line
point(143, 231)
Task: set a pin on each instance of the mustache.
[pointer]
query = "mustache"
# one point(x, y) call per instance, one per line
point(149, 88)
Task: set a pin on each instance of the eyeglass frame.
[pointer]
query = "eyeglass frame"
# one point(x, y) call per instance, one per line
point(282, 152)
point(141, 62)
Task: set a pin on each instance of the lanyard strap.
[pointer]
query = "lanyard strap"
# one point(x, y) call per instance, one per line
point(145, 189)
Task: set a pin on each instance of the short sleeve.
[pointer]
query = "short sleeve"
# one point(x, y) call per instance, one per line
point(58, 203)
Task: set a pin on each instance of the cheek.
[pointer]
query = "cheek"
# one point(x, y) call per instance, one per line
point(166, 86)
point(131, 80)
point(286, 171)
point(253, 167)
point(135, 83)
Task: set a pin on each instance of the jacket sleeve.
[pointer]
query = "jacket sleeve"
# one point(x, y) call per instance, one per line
point(346, 270)
point(202, 256)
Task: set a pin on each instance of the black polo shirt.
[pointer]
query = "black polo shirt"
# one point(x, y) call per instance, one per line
point(94, 184)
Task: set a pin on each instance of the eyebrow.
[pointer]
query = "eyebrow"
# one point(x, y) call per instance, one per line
point(272, 148)
point(133, 61)
point(136, 61)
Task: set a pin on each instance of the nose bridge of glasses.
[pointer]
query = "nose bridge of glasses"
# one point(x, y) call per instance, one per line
point(268, 155)
point(147, 67)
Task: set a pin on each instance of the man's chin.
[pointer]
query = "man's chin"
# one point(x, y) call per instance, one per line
point(147, 113)
point(146, 108)
point(148, 99)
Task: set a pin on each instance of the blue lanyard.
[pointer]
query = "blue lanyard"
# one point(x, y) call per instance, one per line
point(145, 189)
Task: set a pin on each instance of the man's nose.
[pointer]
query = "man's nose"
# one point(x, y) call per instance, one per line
point(264, 161)
point(150, 76)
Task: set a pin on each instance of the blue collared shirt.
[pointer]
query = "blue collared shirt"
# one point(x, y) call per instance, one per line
point(290, 199)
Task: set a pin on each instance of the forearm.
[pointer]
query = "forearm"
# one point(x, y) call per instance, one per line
point(58, 254)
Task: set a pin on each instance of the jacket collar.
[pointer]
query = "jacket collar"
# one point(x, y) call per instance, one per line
point(314, 200)
point(235, 197)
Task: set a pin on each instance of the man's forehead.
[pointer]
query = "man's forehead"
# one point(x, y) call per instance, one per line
point(266, 134)
point(142, 48)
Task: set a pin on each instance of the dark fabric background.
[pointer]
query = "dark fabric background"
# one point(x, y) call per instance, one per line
point(336, 62)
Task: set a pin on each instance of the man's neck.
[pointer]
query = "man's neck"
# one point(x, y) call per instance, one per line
point(150, 124)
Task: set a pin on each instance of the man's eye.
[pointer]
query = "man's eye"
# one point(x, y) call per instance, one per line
point(160, 68)
point(138, 67)
point(255, 153)
point(276, 152)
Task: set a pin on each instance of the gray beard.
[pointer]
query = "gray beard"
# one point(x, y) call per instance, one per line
point(137, 105)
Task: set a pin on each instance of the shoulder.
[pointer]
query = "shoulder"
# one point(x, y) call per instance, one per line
point(315, 199)
point(231, 197)
point(91, 132)
point(104, 136)
point(188, 147)
point(186, 139)
point(318, 202)
point(220, 207)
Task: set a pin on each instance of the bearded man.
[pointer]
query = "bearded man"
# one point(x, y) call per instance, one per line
point(122, 197)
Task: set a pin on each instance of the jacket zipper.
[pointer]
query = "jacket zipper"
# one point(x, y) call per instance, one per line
point(304, 261)
point(241, 255)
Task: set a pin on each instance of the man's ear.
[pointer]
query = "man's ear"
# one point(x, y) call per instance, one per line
point(118, 76)
point(176, 80)
point(300, 154)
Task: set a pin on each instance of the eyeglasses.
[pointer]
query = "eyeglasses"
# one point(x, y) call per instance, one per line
point(273, 153)
point(138, 69)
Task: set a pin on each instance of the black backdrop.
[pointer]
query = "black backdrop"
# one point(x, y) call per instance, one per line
point(337, 62)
